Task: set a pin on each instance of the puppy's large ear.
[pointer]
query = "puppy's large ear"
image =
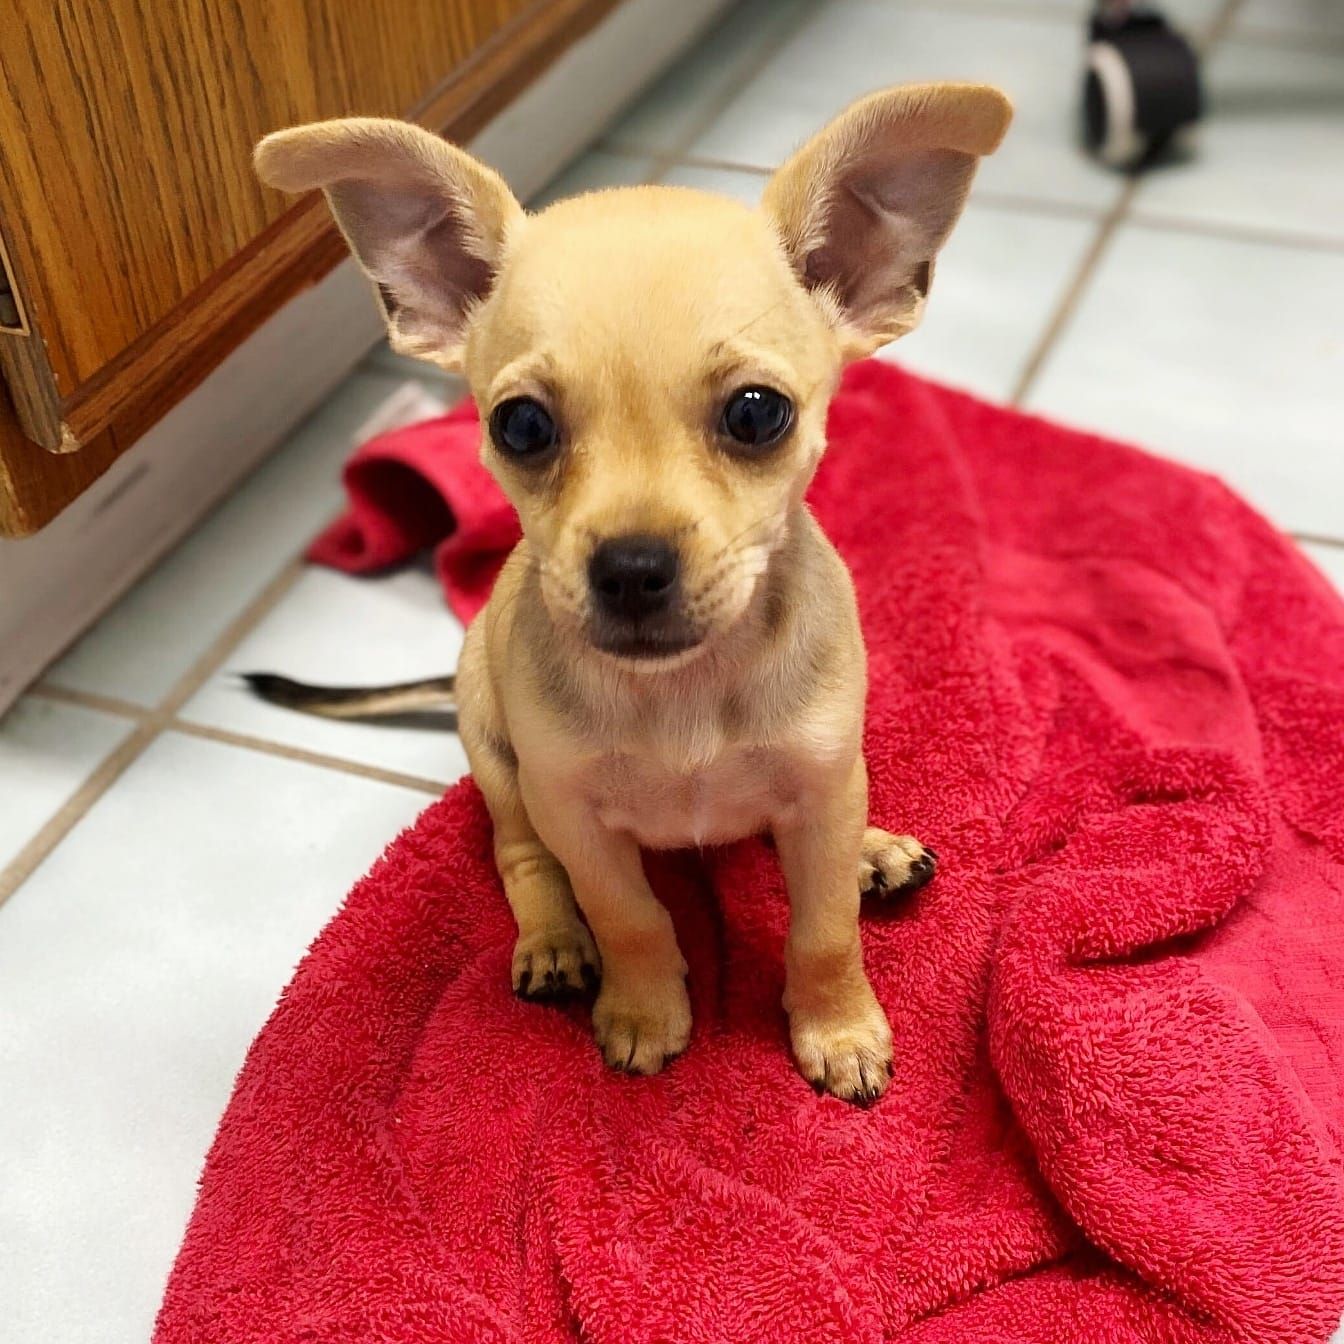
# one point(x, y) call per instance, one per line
point(865, 205)
point(426, 221)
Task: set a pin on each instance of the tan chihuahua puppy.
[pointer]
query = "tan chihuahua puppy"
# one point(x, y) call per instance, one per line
point(672, 653)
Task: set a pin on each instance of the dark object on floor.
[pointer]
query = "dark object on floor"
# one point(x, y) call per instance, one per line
point(1112, 697)
point(1142, 86)
point(353, 702)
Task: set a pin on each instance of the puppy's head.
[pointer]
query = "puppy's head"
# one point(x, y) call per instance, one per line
point(653, 364)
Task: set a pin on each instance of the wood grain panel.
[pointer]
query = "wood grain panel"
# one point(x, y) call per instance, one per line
point(126, 139)
point(156, 294)
point(35, 486)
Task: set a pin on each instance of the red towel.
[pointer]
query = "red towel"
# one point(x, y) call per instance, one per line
point(1113, 700)
point(424, 486)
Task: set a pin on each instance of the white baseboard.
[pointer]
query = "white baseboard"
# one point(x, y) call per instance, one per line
point(54, 585)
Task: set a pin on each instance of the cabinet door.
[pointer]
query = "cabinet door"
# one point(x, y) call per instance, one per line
point(140, 245)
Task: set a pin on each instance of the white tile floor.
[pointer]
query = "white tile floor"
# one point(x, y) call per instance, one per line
point(1199, 314)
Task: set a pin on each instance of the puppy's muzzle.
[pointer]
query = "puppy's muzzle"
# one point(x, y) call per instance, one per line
point(636, 592)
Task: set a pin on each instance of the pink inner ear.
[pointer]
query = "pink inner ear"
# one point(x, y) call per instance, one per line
point(442, 278)
point(415, 246)
point(889, 214)
point(909, 180)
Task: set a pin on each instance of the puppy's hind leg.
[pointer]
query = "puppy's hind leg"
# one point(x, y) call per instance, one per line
point(893, 865)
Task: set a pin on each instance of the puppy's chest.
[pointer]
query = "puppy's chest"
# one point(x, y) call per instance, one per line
point(667, 801)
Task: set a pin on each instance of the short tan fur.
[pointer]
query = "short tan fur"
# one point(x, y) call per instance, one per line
point(672, 654)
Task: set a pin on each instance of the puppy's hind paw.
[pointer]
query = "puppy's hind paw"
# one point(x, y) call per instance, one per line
point(555, 963)
point(894, 865)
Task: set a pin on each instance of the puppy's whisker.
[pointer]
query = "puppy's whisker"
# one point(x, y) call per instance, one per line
point(572, 601)
point(746, 539)
point(731, 567)
point(749, 560)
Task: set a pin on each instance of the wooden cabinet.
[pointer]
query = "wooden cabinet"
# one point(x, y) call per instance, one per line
point(138, 244)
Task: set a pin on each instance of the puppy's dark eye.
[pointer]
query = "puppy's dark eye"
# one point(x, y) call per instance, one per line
point(756, 417)
point(522, 427)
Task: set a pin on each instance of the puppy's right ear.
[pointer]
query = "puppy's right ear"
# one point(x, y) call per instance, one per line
point(427, 222)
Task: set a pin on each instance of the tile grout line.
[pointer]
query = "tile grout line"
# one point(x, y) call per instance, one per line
point(151, 724)
point(1158, 222)
point(65, 818)
point(662, 161)
point(104, 704)
point(125, 709)
point(1110, 225)
point(1067, 305)
point(335, 764)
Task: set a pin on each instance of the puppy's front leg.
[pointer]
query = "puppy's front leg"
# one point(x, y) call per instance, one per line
point(841, 1038)
point(642, 1017)
point(554, 955)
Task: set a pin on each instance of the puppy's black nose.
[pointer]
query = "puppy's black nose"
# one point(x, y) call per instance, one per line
point(633, 576)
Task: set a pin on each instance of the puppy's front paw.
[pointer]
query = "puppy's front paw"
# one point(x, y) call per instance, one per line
point(555, 962)
point(847, 1055)
point(643, 1027)
point(894, 865)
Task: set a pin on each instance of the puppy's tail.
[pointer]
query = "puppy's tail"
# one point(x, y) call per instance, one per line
point(354, 702)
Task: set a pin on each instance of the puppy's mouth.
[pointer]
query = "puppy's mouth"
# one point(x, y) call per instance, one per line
point(647, 639)
point(644, 647)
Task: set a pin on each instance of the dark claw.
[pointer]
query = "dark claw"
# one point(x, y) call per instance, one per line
point(554, 987)
point(879, 880)
point(589, 974)
point(818, 1085)
point(932, 853)
point(891, 1069)
point(921, 874)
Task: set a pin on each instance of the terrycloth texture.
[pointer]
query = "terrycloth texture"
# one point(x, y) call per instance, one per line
point(1113, 700)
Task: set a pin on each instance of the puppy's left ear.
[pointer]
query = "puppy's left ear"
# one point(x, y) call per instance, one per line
point(865, 205)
